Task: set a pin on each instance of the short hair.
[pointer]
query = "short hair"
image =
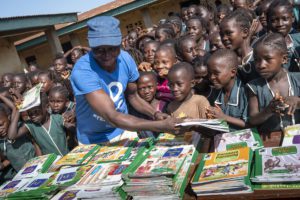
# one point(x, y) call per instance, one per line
point(259, 10)
point(59, 56)
point(49, 74)
point(169, 42)
point(60, 89)
point(176, 20)
point(200, 60)
point(167, 48)
point(153, 74)
point(277, 3)
point(187, 67)
point(225, 8)
point(5, 109)
point(229, 55)
point(179, 43)
point(202, 22)
point(241, 16)
point(22, 75)
point(167, 29)
point(275, 40)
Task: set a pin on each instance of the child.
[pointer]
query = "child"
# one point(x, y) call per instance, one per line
point(19, 82)
point(202, 84)
point(46, 79)
point(222, 11)
point(196, 29)
point(164, 59)
point(261, 12)
point(231, 103)
point(19, 151)
point(149, 52)
point(274, 98)
point(235, 35)
point(186, 48)
point(186, 104)
point(7, 80)
point(33, 78)
point(215, 42)
point(280, 20)
point(59, 100)
point(163, 32)
point(146, 84)
point(61, 67)
point(47, 130)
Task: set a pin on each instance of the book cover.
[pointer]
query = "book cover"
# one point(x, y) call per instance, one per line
point(291, 135)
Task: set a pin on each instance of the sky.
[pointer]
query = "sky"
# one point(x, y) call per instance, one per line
point(11, 8)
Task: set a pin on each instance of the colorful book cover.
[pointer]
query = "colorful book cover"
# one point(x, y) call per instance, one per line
point(69, 194)
point(291, 135)
point(278, 162)
point(12, 186)
point(35, 166)
point(111, 154)
point(223, 165)
point(36, 182)
point(77, 155)
point(238, 139)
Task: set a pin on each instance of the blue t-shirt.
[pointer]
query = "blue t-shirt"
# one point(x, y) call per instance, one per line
point(87, 76)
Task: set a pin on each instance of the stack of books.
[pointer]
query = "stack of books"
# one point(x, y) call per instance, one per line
point(222, 173)
point(238, 139)
point(161, 174)
point(101, 180)
point(277, 168)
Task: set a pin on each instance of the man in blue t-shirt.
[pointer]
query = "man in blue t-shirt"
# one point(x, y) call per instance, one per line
point(100, 80)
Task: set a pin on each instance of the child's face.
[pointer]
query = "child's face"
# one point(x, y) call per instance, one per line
point(161, 35)
point(184, 14)
point(149, 52)
point(132, 37)
point(191, 12)
point(34, 80)
point(215, 42)
point(7, 81)
point(180, 85)
point(37, 114)
point(4, 124)
point(201, 80)
point(221, 14)
point(189, 50)
point(57, 102)
point(75, 55)
point(47, 83)
point(240, 4)
point(146, 87)
point(262, 16)
point(232, 35)
point(19, 83)
point(268, 61)
point(59, 66)
point(194, 29)
point(281, 21)
point(163, 61)
point(219, 73)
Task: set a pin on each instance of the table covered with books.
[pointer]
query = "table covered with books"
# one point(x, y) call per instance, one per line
point(167, 167)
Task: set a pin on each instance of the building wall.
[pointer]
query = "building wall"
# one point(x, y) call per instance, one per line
point(128, 21)
point(10, 61)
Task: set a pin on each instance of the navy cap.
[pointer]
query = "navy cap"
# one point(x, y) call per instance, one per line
point(104, 30)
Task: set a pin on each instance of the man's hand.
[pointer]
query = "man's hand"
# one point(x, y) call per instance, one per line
point(160, 116)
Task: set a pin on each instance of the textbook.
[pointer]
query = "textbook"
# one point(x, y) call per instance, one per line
point(36, 165)
point(214, 124)
point(226, 172)
point(277, 164)
point(111, 154)
point(31, 98)
point(161, 174)
point(12, 186)
point(291, 135)
point(77, 156)
point(238, 139)
point(169, 139)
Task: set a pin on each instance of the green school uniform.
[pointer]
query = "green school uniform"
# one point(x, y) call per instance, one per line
point(261, 89)
point(18, 152)
point(237, 105)
point(52, 140)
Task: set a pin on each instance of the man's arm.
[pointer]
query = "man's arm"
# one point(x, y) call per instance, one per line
point(104, 106)
point(137, 102)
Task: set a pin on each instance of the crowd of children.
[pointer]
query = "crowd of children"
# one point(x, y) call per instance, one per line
point(237, 61)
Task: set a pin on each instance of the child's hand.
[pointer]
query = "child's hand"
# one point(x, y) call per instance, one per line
point(215, 112)
point(277, 105)
point(160, 116)
point(145, 67)
point(69, 117)
point(293, 103)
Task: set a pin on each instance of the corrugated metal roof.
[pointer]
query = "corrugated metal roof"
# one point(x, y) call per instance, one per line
point(35, 15)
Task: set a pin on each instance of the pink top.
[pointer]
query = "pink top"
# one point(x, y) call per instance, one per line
point(163, 91)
